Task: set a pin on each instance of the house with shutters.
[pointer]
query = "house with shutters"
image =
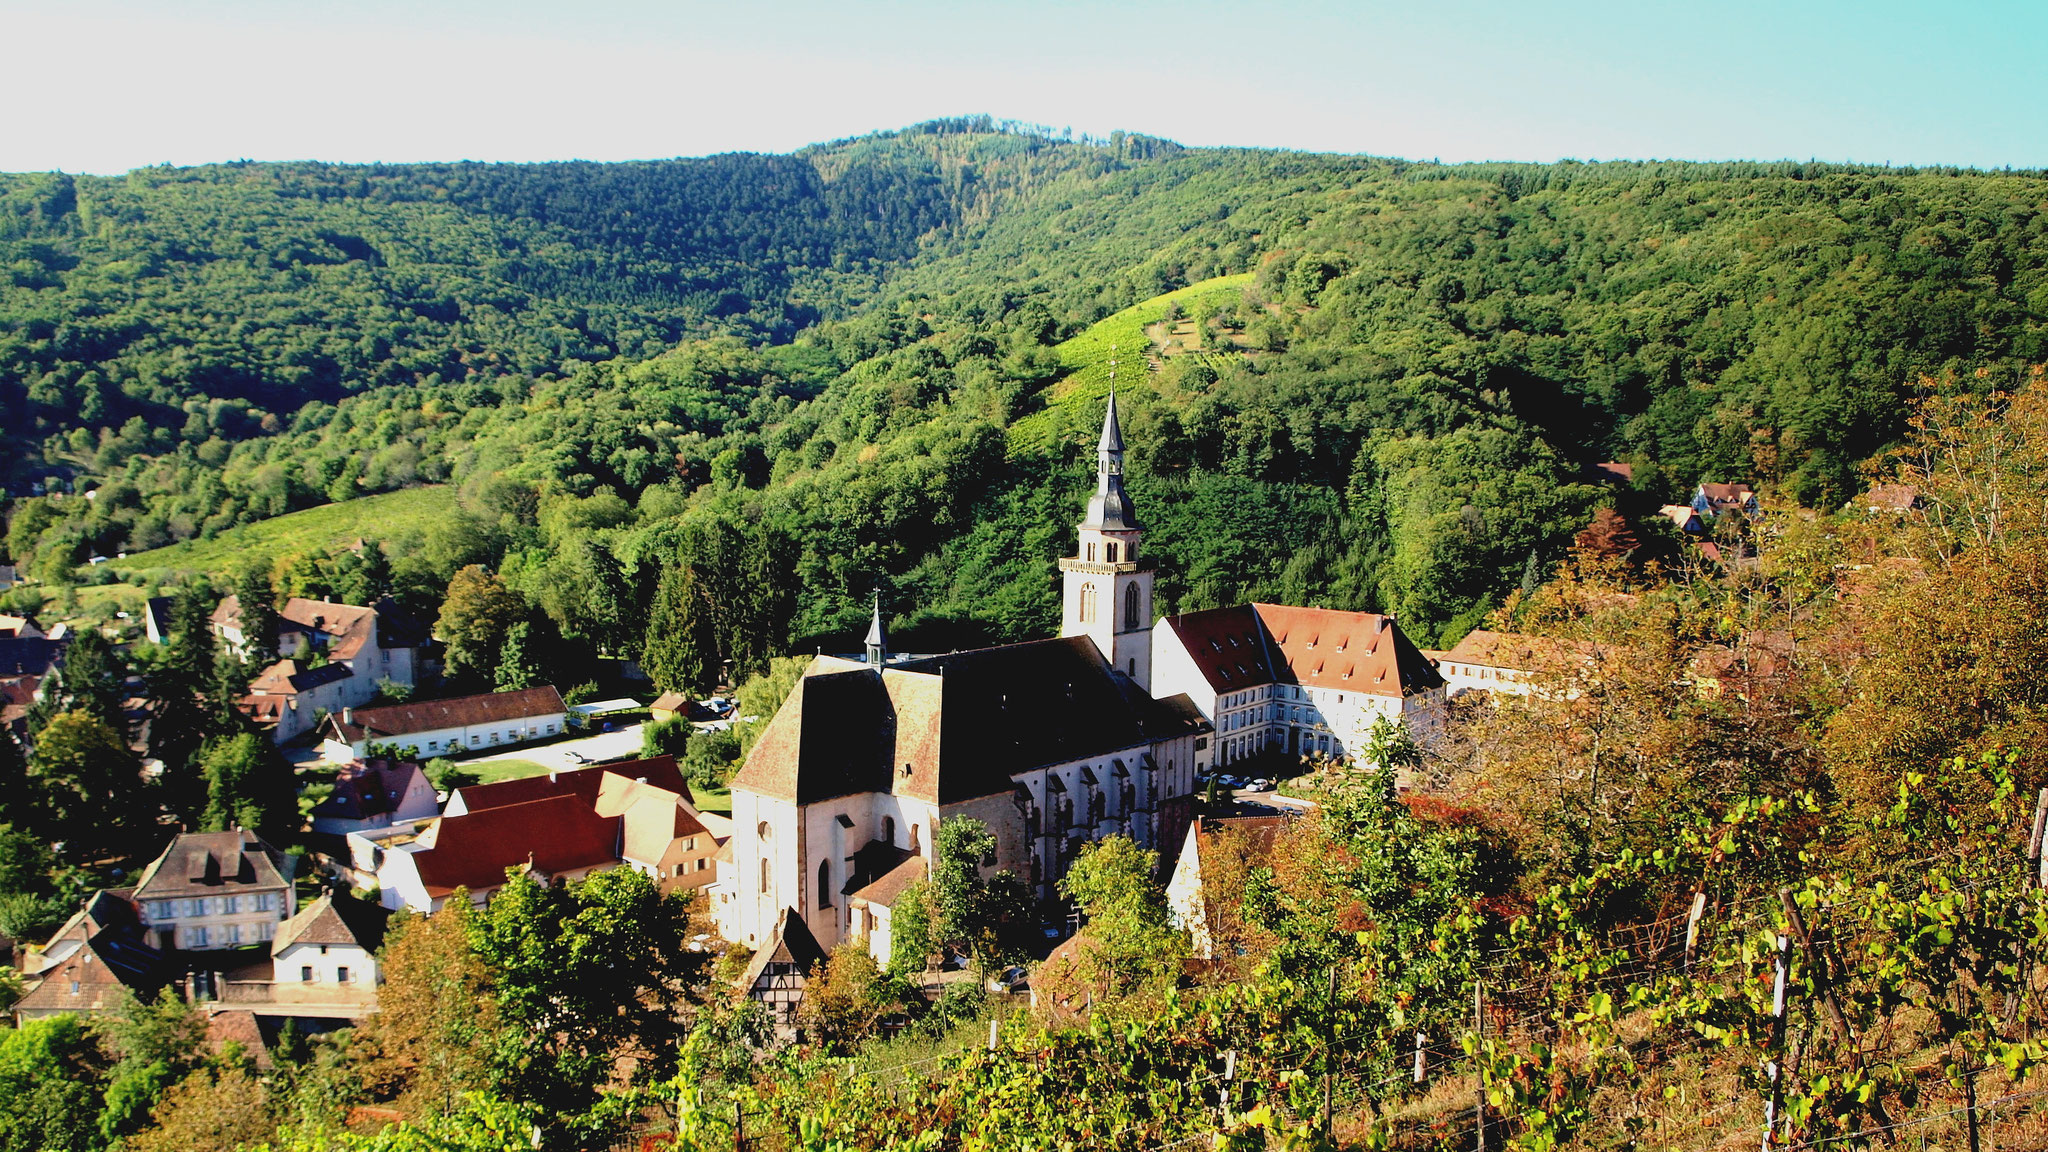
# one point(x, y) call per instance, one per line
point(215, 890)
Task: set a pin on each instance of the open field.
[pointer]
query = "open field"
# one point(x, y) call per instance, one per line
point(1086, 356)
point(314, 529)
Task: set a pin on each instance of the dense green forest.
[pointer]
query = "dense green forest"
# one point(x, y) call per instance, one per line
point(777, 382)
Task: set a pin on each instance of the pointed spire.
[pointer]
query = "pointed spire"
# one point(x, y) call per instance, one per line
point(1110, 507)
point(1112, 434)
point(877, 644)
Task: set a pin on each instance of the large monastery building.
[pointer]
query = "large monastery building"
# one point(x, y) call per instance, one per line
point(1050, 743)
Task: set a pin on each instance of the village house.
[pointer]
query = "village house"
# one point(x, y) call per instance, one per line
point(781, 968)
point(23, 627)
point(561, 825)
point(215, 890)
point(156, 619)
point(376, 794)
point(288, 696)
point(83, 968)
point(333, 656)
point(555, 838)
point(25, 663)
point(333, 940)
point(1509, 663)
point(1712, 500)
point(428, 728)
point(1202, 865)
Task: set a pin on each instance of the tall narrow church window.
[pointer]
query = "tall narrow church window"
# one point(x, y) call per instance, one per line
point(764, 874)
point(824, 884)
point(1109, 551)
point(1130, 607)
point(889, 830)
point(1090, 549)
point(1087, 603)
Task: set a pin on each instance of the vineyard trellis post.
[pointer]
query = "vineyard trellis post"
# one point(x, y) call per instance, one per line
point(1782, 963)
point(1479, 1037)
point(1329, 1057)
point(2034, 841)
point(1420, 1040)
point(1692, 925)
point(1229, 1079)
point(1837, 1019)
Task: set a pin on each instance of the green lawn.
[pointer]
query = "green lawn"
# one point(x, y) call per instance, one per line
point(492, 771)
point(321, 529)
point(717, 800)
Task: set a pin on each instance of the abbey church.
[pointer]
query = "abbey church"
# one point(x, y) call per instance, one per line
point(1050, 743)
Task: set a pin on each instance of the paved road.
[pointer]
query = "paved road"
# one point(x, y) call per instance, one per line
point(623, 744)
point(1249, 803)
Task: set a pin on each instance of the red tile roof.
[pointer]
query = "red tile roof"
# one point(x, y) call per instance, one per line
point(584, 783)
point(395, 720)
point(1255, 644)
point(555, 835)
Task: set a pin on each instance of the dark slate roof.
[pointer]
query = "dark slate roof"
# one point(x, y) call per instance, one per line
point(1022, 706)
point(369, 789)
point(954, 727)
point(30, 656)
point(792, 943)
point(207, 863)
point(832, 737)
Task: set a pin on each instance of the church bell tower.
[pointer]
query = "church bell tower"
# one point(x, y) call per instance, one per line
point(1108, 582)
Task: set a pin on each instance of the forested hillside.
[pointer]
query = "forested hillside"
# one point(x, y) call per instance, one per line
point(1393, 407)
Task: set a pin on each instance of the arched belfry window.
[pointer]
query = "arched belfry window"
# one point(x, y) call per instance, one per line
point(824, 884)
point(1110, 550)
point(1087, 603)
point(1130, 607)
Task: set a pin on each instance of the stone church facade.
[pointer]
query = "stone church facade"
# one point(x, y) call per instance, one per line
point(1050, 743)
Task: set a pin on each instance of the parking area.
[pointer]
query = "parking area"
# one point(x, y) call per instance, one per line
point(582, 751)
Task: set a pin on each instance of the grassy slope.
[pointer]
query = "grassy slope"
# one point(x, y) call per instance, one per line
point(315, 529)
point(1086, 357)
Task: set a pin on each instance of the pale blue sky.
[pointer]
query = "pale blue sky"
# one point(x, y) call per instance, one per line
point(115, 84)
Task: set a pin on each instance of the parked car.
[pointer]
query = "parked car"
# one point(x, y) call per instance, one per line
point(1011, 980)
